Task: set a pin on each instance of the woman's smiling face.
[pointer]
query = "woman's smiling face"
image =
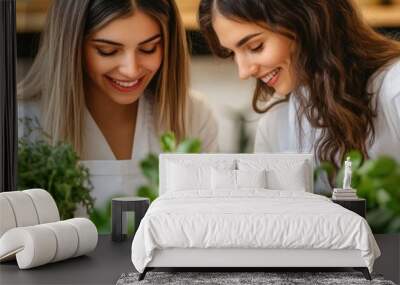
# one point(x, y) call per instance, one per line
point(122, 57)
point(258, 52)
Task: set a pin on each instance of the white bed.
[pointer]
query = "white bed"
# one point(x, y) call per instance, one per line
point(203, 220)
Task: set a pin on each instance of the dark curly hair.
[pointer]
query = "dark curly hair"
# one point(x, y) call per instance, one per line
point(337, 53)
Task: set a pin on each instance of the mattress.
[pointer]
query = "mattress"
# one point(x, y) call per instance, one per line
point(250, 219)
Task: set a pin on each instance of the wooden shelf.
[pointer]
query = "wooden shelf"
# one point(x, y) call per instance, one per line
point(31, 17)
point(382, 16)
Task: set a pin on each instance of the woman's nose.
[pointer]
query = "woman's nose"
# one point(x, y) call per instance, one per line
point(246, 69)
point(130, 67)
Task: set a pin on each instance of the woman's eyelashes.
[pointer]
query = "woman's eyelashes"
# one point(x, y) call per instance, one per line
point(252, 48)
point(257, 48)
point(103, 52)
point(149, 49)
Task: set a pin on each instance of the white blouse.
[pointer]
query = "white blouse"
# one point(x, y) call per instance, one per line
point(278, 129)
point(111, 177)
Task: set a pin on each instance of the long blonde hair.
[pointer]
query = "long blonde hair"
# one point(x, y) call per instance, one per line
point(56, 76)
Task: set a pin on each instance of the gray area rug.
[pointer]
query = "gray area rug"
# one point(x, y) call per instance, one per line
point(232, 278)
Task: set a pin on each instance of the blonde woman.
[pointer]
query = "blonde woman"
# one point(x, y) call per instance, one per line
point(109, 78)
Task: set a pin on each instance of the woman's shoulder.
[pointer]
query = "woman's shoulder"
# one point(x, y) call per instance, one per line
point(271, 126)
point(387, 81)
point(392, 72)
point(199, 101)
point(201, 121)
point(276, 113)
point(199, 108)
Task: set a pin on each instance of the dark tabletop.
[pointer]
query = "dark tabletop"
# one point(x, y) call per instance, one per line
point(104, 265)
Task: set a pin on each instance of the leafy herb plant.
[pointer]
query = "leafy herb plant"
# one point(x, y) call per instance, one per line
point(55, 169)
point(378, 181)
point(149, 168)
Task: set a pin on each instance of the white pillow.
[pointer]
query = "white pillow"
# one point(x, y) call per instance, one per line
point(251, 178)
point(236, 179)
point(181, 177)
point(282, 174)
point(293, 179)
point(223, 179)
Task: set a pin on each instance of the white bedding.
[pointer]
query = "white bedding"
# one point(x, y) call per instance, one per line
point(251, 218)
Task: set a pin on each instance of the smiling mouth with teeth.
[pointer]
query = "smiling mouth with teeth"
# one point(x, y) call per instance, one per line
point(125, 86)
point(272, 77)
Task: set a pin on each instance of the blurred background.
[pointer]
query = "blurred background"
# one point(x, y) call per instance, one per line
point(230, 99)
point(216, 79)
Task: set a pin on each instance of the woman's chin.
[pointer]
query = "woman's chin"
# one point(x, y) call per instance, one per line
point(126, 99)
point(283, 90)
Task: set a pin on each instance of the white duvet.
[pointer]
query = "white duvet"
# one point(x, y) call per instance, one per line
point(253, 218)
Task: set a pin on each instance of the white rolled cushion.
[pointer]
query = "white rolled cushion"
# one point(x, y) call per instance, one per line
point(7, 218)
point(183, 178)
point(40, 244)
point(45, 205)
point(33, 246)
point(23, 208)
point(223, 179)
point(87, 235)
point(251, 178)
point(67, 240)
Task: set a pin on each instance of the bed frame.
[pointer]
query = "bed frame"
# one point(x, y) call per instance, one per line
point(248, 258)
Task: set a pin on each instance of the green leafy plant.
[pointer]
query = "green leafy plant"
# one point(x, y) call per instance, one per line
point(101, 217)
point(378, 181)
point(149, 165)
point(55, 169)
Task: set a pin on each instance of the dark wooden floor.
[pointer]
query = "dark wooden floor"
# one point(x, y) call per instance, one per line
point(106, 264)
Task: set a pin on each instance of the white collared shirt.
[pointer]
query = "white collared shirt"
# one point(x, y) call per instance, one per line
point(277, 130)
point(111, 177)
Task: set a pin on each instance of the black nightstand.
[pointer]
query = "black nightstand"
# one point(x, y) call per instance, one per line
point(358, 206)
point(119, 207)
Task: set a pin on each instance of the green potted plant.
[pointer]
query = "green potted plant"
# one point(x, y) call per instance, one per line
point(149, 168)
point(378, 181)
point(56, 169)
